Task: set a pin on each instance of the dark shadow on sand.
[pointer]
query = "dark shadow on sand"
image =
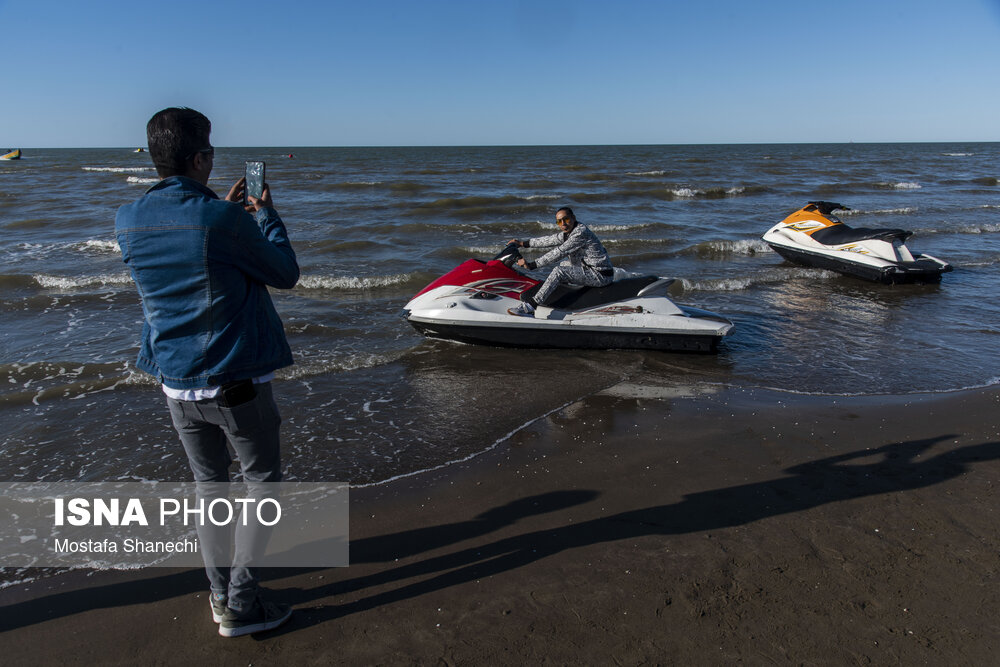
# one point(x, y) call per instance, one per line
point(376, 549)
point(834, 479)
point(891, 468)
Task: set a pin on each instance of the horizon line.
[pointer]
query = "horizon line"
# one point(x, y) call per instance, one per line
point(563, 145)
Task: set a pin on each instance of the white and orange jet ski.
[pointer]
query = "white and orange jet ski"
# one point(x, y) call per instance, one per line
point(813, 236)
point(470, 303)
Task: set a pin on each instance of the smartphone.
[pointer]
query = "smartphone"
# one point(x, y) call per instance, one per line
point(255, 181)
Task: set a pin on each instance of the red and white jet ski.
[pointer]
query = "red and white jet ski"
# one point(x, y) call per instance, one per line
point(815, 237)
point(470, 302)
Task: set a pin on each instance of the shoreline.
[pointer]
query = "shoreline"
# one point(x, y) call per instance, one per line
point(731, 525)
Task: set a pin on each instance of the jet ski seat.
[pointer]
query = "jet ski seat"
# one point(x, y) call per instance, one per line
point(576, 297)
point(840, 234)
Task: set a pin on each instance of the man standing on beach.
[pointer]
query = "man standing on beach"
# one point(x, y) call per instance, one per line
point(211, 335)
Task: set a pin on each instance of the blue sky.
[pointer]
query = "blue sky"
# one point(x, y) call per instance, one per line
point(435, 72)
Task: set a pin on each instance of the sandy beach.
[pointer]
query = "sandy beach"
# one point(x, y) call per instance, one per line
point(707, 527)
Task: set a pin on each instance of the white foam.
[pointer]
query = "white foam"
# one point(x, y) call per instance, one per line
point(99, 245)
point(480, 251)
point(119, 170)
point(351, 282)
point(746, 282)
point(742, 247)
point(137, 180)
point(658, 172)
point(350, 362)
point(906, 210)
point(977, 229)
point(71, 282)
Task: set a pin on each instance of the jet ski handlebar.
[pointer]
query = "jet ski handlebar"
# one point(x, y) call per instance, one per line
point(828, 207)
point(509, 255)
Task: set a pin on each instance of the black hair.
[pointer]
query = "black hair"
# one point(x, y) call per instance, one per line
point(569, 211)
point(174, 135)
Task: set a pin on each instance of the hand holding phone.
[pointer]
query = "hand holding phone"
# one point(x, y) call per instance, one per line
point(254, 181)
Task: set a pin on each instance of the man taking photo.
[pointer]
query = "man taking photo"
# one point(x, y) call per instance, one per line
point(211, 335)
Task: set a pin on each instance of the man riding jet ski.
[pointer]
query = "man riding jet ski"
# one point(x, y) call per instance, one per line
point(470, 304)
point(582, 261)
point(813, 236)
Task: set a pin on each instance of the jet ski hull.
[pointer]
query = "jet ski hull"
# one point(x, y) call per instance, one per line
point(527, 336)
point(921, 270)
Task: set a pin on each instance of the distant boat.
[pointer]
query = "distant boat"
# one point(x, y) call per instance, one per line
point(139, 150)
point(11, 155)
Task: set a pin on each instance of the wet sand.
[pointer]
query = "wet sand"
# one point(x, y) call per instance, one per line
point(634, 526)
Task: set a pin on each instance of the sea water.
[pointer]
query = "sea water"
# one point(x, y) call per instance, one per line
point(369, 399)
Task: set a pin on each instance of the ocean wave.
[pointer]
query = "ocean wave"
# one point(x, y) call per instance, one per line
point(120, 170)
point(540, 184)
point(657, 172)
point(354, 282)
point(90, 245)
point(337, 245)
point(138, 180)
point(722, 248)
point(986, 180)
point(776, 275)
point(347, 361)
point(407, 187)
point(502, 230)
point(34, 382)
point(75, 282)
point(473, 202)
point(902, 185)
point(16, 281)
point(988, 228)
point(98, 245)
point(27, 223)
point(634, 247)
point(476, 251)
point(671, 193)
point(958, 154)
point(610, 228)
point(905, 210)
point(346, 185)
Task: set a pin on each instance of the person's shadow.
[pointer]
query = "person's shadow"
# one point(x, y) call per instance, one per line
point(891, 468)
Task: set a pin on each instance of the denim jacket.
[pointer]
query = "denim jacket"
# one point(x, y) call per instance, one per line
point(202, 265)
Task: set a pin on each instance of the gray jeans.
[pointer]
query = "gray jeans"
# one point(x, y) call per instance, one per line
point(205, 427)
point(575, 275)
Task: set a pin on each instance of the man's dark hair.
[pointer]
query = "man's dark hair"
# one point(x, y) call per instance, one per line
point(569, 212)
point(174, 135)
